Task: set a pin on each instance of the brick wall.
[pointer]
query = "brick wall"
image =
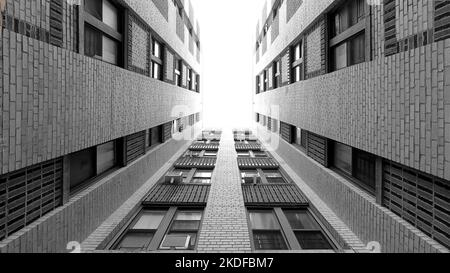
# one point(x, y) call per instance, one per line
point(357, 209)
point(85, 211)
point(402, 116)
point(224, 227)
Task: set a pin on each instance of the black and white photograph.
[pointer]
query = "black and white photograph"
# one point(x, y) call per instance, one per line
point(216, 135)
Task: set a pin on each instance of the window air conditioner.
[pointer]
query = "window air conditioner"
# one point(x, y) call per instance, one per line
point(176, 241)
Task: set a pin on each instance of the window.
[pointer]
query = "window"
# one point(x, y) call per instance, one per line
point(307, 230)
point(260, 154)
point(103, 37)
point(164, 229)
point(155, 136)
point(178, 73)
point(92, 162)
point(250, 177)
point(278, 229)
point(157, 60)
point(297, 64)
point(142, 231)
point(243, 154)
point(300, 137)
point(257, 117)
point(197, 83)
point(183, 231)
point(189, 78)
point(266, 82)
point(210, 154)
point(274, 177)
point(258, 84)
point(202, 177)
point(355, 163)
point(184, 174)
point(276, 74)
point(266, 231)
point(348, 35)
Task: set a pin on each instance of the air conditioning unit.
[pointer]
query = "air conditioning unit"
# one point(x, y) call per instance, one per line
point(174, 178)
point(176, 242)
point(251, 179)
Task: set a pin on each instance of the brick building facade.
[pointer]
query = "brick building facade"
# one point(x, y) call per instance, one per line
point(90, 110)
point(363, 106)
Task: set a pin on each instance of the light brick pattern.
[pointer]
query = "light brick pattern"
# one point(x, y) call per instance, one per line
point(52, 106)
point(225, 227)
point(357, 209)
point(397, 109)
point(313, 51)
point(139, 55)
point(85, 211)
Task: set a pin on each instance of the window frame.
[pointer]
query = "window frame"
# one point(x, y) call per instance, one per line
point(162, 230)
point(118, 162)
point(297, 63)
point(287, 231)
point(158, 61)
point(276, 74)
point(351, 177)
point(178, 71)
point(348, 35)
point(104, 30)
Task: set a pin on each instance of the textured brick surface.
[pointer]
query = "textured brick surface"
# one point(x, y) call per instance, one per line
point(85, 211)
point(224, 227)
point(354, 207)
point(313, 52)
point(139, 55)
point(400, 116)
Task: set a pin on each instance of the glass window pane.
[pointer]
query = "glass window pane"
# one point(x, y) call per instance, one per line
point(364, 169)
point(110, 15)
point(340, 56)
point(92, 42)
point(357, 49)
point(269, 240)
point(297, 52)
point(82, 167)
point(185, 225)
point(149, 220)
point(106, 158)
point(156, 49)
point(297, 74)
point(263, 220)
point(110, 50)
point(189, 216)
point(312, 240)
point(203, 174)
point(135, 241)
point(94, 8)
point(301, 219)
point(156, 71)
point(343, 157)
point(201, 180)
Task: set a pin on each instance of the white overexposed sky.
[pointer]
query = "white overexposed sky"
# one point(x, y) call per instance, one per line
point(227, 30)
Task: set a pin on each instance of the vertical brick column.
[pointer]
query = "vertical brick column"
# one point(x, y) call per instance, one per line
point(225, 226)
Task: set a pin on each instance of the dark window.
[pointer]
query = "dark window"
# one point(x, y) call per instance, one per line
point(266, 231)
point(355, 163)
point(155, 136)
point(106, 46)
point(348, 47)
point(178, 73)
point(300, 137)
point(307, 230)
point(250, 177)
point(276, 74)
point(258, 84)
point(92, 162)
point(183, 231)
point(274, 177)
point(297, 62)
point(82, 167)
point(157, 60)
point(141, 231)
point(189, 78)
point(265, 83)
